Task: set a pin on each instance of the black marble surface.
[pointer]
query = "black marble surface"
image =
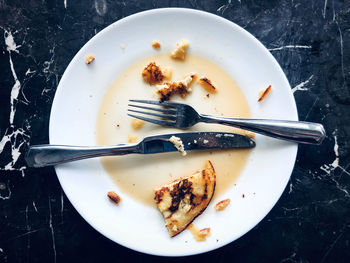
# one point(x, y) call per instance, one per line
point(311, 41)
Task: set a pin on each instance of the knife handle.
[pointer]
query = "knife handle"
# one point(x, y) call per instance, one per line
point(46, 154)
point(296, 131)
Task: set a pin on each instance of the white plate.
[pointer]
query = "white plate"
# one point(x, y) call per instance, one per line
point(81, 90)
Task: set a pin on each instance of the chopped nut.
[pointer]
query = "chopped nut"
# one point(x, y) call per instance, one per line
point(132, 138)
point(180, 51)
point(156, 44)
point(199, 235)
point(166, 90)
point(137, 124)
point(207, 84)
point(89, 59)
point(264, 93)
point(222, 204)
point(113, 197)
point(152, 74)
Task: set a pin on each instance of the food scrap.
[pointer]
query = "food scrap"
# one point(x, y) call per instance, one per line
point(89, 59)
point(180, 51)
point(178, 144)
point(137, 124)
point(264, 93)
point(156, 44)
point(113, 197)
point(183, 200)
point(166, 90)
point(199, 235)
point(152, 74)
point(132, 138)
point(207, 84)
point(168, 73)
point(222, 204)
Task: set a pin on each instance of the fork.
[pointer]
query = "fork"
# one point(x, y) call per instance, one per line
point(183, 116)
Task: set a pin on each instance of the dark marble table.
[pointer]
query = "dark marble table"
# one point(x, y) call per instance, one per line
point(311, 41)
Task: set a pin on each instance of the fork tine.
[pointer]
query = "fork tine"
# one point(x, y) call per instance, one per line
point(154, 102)
point(171, 117)
point(159, 122)
point(154, 109)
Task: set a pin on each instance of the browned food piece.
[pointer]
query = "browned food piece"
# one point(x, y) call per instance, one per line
point(222, 204)
point(207, 84)
point(156, 44)
point(152, 74)
point(183, 200)
point(168, 89)
point(199, 234)
point(113, 197)
point(264, 93)
point(89, 59)
point(180, 51)
point(132, 138)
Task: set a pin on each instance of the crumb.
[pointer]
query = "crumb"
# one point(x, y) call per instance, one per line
point(208, 95)
point(205, 141)
point(137, 124)
point(132, 138)
point(243, 195)
point(122, 46)
point(156, 44)
point(166, 90)
point(264, 93)
point(152, 74)
point(180, 51)
point(199, 235)
point(118, 126)
point(113, 197)
point(89, 59)
point(222, 205)
point(194, 141)
point(217, 240)
point(178, 144)
point(207, 84)
point(168, 73)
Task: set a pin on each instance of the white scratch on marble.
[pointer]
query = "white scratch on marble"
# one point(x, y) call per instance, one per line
point(101, 7)
point(302, 84)
point(9, 192)
point(324, 8)
point(34, 206)
point(65, 4)
point(313, 105)
point(341, 53)
point(62, 205)
point(289, 47)
point(223, 8)
point(52, 231)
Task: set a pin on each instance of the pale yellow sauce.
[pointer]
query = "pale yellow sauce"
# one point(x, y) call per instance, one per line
point(138, 175)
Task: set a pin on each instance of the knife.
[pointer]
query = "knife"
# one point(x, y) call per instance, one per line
point(46, 154)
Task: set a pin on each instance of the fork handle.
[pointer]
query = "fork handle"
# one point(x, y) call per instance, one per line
point(296, 131)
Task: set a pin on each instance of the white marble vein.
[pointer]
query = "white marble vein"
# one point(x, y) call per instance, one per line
point(101, 7)
point(324, 9)
point(34, 206)
point(9, 192)
point(289, 47)
point(341, 54)
point(223, 8)
point(52, 231)
point(301, 85)
point(65, 4)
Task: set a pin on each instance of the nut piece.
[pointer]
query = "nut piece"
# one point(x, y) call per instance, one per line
point(152, 74)
point(132, 138)
point(113, 197)
point(207, 84)
point(156, 44)
point(199, 235)
point(222, 204)
point(137, 124)
point(180, 51)
point(89, 59)
point(264, 93)
point(166, 90)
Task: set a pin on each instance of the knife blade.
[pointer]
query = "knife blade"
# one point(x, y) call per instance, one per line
point(195, 141)
point(46, 154)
